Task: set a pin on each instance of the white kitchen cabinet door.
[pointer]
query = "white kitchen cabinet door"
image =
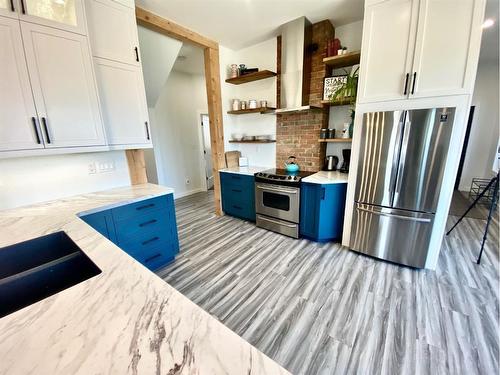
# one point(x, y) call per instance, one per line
point(64, 88)
point(449, 33)
point(123, 102)
point(19, 129)
point(62, 14)
point(387, 49)
point(8, 8)
point(113, 31)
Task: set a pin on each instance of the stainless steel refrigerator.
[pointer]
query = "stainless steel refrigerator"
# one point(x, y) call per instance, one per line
point(399, 174)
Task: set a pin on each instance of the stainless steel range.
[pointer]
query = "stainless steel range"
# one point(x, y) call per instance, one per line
point(277, 200)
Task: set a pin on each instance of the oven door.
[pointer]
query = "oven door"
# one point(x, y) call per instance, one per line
point(280, 202)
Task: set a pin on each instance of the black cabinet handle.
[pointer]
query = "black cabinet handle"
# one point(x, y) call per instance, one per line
point(236, 190)
point(33, 121)
point(12, 7)
point(147, 260)
point(148, 223)
point(237, 207)
point(323, 191)
point(147, 130)
point(23, 8)
point(406, 83)
point(413, 84)
point(145, 206)
point(136, 54)
point(235, 177)
point(151, 240)
point(46, 130)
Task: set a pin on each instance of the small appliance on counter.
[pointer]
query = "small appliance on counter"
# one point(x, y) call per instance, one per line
point(291, 166)
point(277, 200)
point(346, 156)
point(331, 163)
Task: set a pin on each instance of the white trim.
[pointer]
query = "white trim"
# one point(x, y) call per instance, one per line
point(186, 193)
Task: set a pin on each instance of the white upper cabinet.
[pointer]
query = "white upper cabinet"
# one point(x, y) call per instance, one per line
point(62, 14)
point(19, 128)
point(62, 79)
point(8, 8)
point(419, 48)
point(113, 31)
point(123, 103)
point(388, 44)
point(114, 41)
point(447, 32)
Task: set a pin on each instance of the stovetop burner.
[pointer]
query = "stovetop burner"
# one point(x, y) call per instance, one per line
point(281, 177)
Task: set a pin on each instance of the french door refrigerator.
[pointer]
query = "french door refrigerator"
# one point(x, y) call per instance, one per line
point(401, 165)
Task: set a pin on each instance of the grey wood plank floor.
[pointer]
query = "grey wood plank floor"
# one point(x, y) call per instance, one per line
point(322, 309)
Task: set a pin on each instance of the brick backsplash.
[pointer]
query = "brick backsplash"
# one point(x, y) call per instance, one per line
point(297, 134)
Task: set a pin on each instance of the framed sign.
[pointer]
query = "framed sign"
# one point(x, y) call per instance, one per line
point(332, 84)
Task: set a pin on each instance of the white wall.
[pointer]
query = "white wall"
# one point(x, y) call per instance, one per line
point(31, 180)
point(481, 149)
point(176, 133)
point(262, 56)
point(350, 35)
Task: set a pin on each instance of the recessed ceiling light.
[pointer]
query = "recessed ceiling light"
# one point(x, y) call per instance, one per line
point(488, 23)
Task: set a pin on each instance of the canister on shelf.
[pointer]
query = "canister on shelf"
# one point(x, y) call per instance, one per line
point(243, 104)
point(236, 104)
point(323, 134)
point(331, 133)
point(234, 70)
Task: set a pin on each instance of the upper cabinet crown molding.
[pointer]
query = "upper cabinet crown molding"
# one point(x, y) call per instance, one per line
point(419, 48)
point(67, 15)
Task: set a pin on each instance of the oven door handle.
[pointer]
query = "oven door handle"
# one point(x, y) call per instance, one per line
point(277, 190)
point(277, 222)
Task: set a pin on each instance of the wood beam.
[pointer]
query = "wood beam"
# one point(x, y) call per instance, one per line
point(136, 167)
point(162, 25)
point(212, 78)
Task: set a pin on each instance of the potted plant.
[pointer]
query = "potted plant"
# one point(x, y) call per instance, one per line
point(347, 92)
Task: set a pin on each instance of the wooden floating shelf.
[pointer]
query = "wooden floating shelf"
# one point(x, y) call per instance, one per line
point(336, 103)
point(341, 61)
point(262, 110)
point(256, 141)
point(335, 140)
point(250, 77)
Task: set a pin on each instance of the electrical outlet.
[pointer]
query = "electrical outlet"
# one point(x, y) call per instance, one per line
point(105, 166)
point(92, 168)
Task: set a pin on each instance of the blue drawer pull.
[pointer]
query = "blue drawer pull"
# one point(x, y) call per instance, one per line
point(148, 223)
point(151, 240)
point(145, 206)
point(147, 260)
point(237, 190)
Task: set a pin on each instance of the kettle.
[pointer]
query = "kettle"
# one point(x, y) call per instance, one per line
point(291, 166)
point(331, 162)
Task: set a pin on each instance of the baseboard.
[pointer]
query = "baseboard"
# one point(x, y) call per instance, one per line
point(186, 193)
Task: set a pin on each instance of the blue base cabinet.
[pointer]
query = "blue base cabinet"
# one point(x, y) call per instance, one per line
point(146, 230)
point(322, 211)
point(238, 195)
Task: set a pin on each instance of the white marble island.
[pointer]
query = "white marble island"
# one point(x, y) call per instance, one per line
point(125, 320)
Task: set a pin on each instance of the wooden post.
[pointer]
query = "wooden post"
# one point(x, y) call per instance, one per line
point(212, 77)
point(136, 167)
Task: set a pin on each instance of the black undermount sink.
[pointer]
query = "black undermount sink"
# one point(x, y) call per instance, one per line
point(36, 269)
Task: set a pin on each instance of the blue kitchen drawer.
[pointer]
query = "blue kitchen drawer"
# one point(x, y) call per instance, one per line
point(236, 179)
point(154, 254)
point(146, 240)
point(151, 222)
point(143, 207)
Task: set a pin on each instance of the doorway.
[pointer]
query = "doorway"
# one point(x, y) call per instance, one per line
point(207, 151)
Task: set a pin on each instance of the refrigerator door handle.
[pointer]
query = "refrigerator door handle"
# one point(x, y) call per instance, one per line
point(396, 216)
point(402, 159)
point(395, 159)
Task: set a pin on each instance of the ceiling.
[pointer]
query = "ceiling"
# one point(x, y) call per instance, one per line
point(240, 23)
point(190, 60)
point(490, 41)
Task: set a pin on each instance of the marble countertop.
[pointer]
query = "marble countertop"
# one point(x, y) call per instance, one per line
point(327, 177)
point(125, 320)
point(250, 171)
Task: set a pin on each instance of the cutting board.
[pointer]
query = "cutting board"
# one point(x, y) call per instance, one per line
point(233, 159)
